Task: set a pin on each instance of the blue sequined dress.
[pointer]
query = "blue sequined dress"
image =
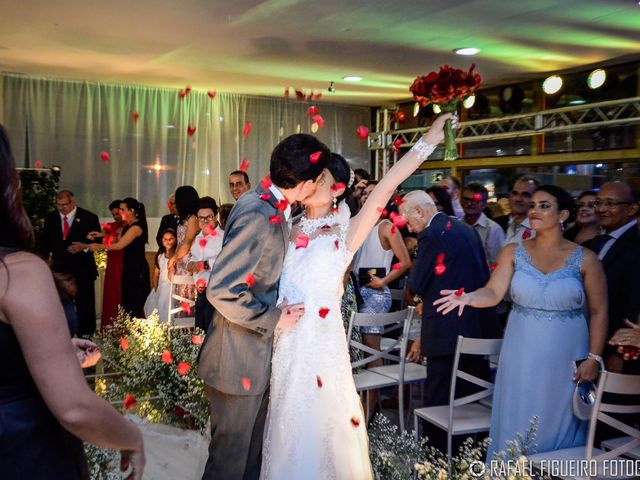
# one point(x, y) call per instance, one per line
point(546, 332)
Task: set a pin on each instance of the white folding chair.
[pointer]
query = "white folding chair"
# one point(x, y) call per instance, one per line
point(181, 321)
point(614, 443)
point(464, 415)
point(378, 377)
point(607, 462)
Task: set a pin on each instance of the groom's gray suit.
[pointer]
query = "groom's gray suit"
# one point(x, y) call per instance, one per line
point(235, 360)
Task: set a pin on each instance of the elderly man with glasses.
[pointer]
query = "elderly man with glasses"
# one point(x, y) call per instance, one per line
point(516, 225)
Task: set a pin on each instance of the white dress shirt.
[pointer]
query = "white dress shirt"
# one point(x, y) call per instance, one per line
point(209, 252)
point(279, 196)
point(616, 234)
point(492, 237)
point(515, 233)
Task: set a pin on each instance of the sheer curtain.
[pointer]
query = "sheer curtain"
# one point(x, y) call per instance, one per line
point(71, 123)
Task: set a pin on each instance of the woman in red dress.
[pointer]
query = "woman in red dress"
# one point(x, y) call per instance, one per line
point(112, 296)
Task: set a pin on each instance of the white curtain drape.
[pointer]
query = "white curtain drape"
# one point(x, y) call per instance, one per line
point(70, 123)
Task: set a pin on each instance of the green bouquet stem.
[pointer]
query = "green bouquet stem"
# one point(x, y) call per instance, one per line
point(450, 147)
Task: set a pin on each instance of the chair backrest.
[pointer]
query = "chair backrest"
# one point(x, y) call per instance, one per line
point(471, 346)
point(391, 322)
point(397, 294)
point(182, 321)
point(615, 383)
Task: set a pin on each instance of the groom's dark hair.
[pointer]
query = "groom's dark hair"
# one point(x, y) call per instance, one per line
point(296, 159)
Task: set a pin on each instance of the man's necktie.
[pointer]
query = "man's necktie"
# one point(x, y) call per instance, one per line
point(65, 227)
point(599, 242)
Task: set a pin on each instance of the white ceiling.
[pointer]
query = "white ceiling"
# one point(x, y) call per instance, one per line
point(260, 47)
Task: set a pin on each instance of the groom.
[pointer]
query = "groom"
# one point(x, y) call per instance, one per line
point(235, 360)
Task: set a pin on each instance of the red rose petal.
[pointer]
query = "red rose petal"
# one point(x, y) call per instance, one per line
point(203, 243)
point(187, 90)
point(355, 421)
point(129, 401)
point(315, 157)
point(299, 94)
point(247, 129)
point(363, 132)
point(397, 219)
point(312, 110)
point(493, 266)
point(459, 292)
point(396, 145)
point(201, 284)
point(251, 280)
point(212, 94)
point(167, 357)
point(210, 230)
point(337, 186)
point(477, 197)
point(105, 157)
point(440, 258)
point(38, 164)
point(265, 196)
point(383, 212)
point(181, 94)
point(275, 219)
point(337, 244)
point(394, 229)
point(526, 234)
point(319, 95)
point(183, 368)
point(286, 91)
point(323, 312)
point(439, 269)
point(135, 116)
point(302, 241)
point(318, 381)
point(396, 266)
point(200, 266)
point(319, 120)
point(197, 340)
point(244, 165)
point(266, 182)
point(191, 130)
point(246, 383)
point(282, 205)
point(186, 308)
point(124, 344)
point(398, 200)
point(448, 225)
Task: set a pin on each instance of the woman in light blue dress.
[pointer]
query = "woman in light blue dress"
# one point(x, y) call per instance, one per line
point(552, 283)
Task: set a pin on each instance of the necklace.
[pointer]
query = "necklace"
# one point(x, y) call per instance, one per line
point(310, 225)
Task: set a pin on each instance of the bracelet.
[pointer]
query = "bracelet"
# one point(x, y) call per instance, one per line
point(423, 149)
point(597, 358)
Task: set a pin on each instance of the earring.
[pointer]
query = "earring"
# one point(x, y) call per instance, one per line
point(335, 204)
point(562, 225)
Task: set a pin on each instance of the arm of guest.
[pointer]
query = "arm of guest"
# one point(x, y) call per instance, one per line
point(129, 236)
point(396, 243)
point(227, 289)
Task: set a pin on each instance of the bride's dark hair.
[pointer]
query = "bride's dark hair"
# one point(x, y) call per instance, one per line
point(341, 172)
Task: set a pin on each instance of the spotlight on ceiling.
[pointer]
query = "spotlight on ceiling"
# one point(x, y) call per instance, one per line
point(331, 88)
point(466, 51)
point(596, 78)
point(552, 84)
point(469, 101)
point(352, 78)
point(436, 108)
point(416, 109)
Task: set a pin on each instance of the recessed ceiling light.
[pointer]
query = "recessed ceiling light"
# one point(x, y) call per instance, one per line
point(466, 51)
point(352, 78)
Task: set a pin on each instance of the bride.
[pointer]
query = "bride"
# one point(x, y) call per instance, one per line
point(315, 425)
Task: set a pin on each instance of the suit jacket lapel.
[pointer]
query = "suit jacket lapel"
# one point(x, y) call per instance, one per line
point(619, 245)
point(283, 225)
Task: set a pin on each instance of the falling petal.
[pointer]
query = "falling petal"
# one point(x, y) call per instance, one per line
point(201, 285)
point(124, 344)
point(266, 183)
point(135, 116)
point(105, 157)
point(251, 280)
point(187, 90)
point(383, 212)
point(212, 94)
point(439, 269)
point(396, 145)
point(355, 421)
point(286, 92)
point(210, 230)
point(459, 292)
point(323, 312)
point(246, 383)
point(315, 157)
point(526, 234)
point(191, 130)
point(282, 205)
point(448, 225)
point(302, 241)
point(398, 200)
point(299, 94)
point(440, 258)
point(265, 196)
point(319, 120)
point(166, 357)
point(312, 110)
point(363, 132)
point(477, 197)
point(247, 129)
point(394, 229)
point(38, 164)
point(129, 401)
point(200, 267)
point(319, 381)
point(337, 186)
point(183, 368)
point(186, 308)
point(244, 165)
point(197, 340)
point(275, 219)
point(397, 219)
point(337, 244)
point(181, 94)
point(493, 266)
point(203, 242)
point(396, 266)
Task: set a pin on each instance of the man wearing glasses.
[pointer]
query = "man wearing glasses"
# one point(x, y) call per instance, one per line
point(516, 225)
point(204, 251)
point(474, 201)
point(619, 250)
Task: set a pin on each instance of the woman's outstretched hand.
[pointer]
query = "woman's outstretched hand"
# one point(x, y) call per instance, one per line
point(450, 300)
point(435, 134)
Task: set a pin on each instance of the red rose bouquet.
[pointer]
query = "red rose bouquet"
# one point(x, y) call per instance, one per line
point(446, 88)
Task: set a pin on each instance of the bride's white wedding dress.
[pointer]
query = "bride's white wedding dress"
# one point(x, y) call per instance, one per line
point(315, 425)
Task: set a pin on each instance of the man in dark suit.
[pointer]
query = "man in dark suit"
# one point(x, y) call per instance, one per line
point(450, 256)
point(62, 228)
point(619, 250)
point(235, 360)
point(169, 221)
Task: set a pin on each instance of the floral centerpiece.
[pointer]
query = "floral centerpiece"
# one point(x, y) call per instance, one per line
point(446, 88)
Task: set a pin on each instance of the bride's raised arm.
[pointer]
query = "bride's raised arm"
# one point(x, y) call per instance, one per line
point(364, 221)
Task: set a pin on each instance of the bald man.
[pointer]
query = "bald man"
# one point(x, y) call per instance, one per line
point(450, 256)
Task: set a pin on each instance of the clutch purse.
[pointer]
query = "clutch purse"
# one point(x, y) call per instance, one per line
point(364, 274)
point(584, 398)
